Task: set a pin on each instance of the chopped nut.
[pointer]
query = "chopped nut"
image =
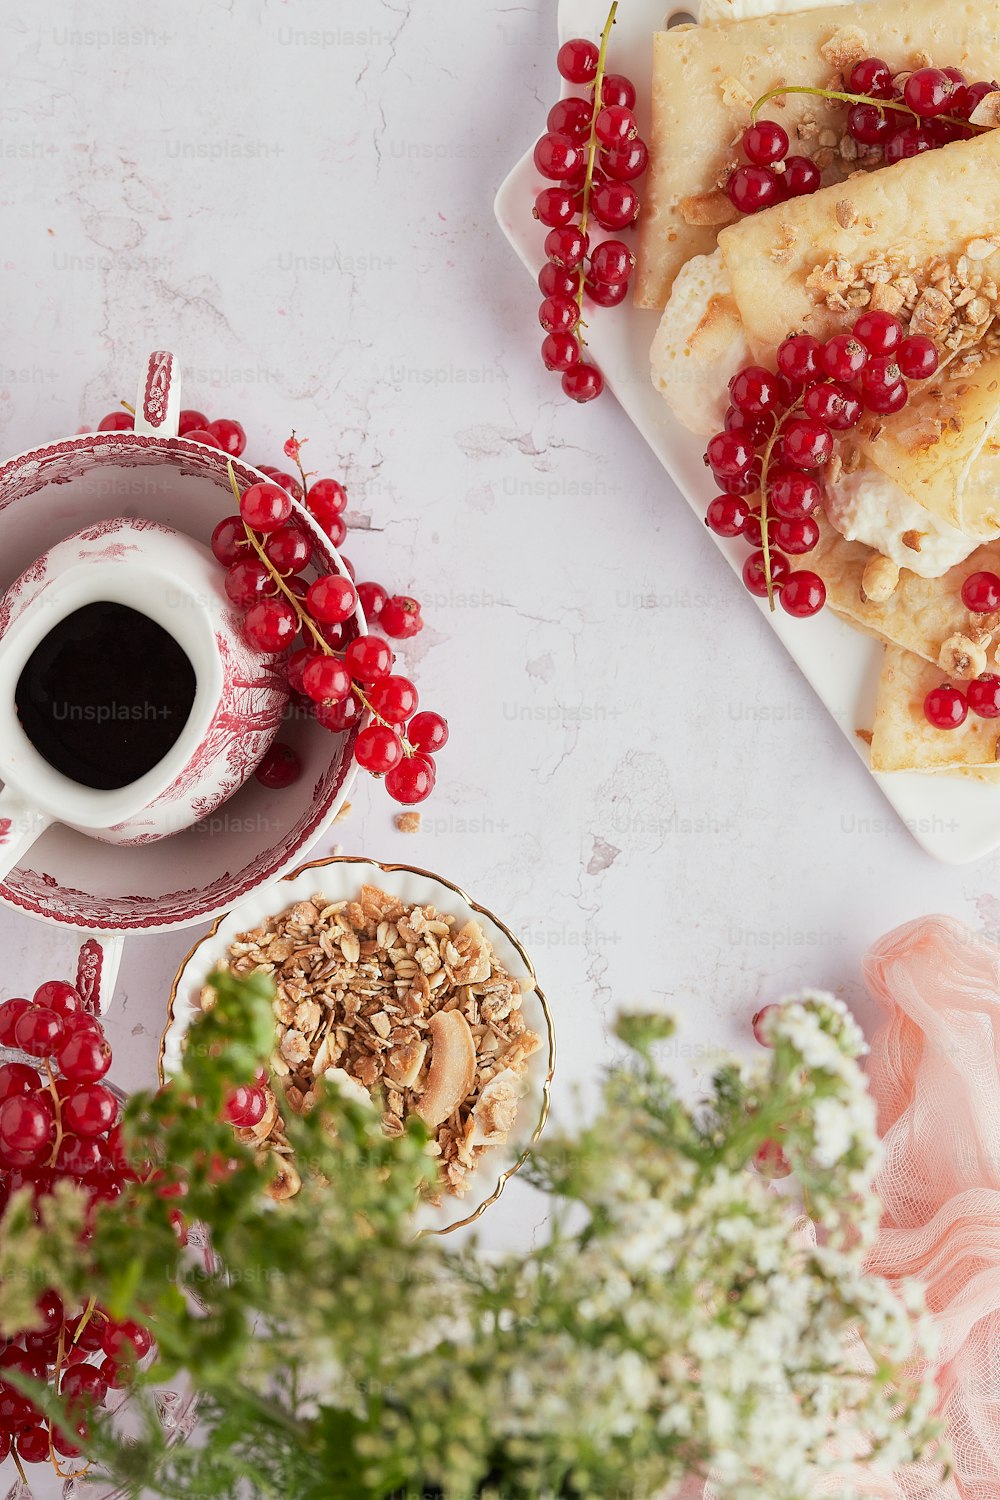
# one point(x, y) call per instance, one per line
point(452, 1069)
point(879, 580)
point(913, 539)
point(987, 111)
point(847, 213)
point(961, 657)
point(408, 822)
point(712, 208)
point(846, 47)
point(735, 94)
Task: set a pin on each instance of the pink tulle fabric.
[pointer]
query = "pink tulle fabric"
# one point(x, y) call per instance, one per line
point(934, 1071)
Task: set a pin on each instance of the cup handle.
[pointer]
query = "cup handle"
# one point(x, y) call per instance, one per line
point(20, 826)
point(97, 970)
point(158, 399)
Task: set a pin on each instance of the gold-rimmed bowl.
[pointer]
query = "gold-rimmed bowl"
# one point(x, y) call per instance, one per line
point(340, 878)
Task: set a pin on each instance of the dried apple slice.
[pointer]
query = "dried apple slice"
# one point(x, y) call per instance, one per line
point(452, 1068)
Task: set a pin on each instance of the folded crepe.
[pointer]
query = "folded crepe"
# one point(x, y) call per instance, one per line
point(920, 239)
point(904, 740)
point(922, 614)
point(705, 79)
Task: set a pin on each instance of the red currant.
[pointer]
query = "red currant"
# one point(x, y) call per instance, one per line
point(583, 382)
point(559, 314)
point(803, 593)
point(326, 499)
point(203, 436)
point(880, 332)
point(614, 204)
point(280, 767)
point(130, 1341)
point(835, 405)
point(792, 494)
point(560, 351)
point(247, 581)
point(880, 374)
point(800, 177)
point(25, 1125)
point(372, 598)
point(427, 731)
point(807, 443)
point(752, 189)
point(11, 1012)
point(971, 97)
point(90, 1109)
point(765, 143)
point(229, 540)
point(191, 421)
point(558, 156)
point(616, 89)
point(906, 142)
point(80, 1157)
point(287, 482)
point(116, 421)
point(614, 125)
point(888, 399)
point(265, 506)
point(567, 247)
point(983, 696)
point(229, 435)
point(553, 281)
point(929, 92)
point(843, 357)
point(412, 780)
point(945, 707)
point(754, 578)
point(754, 391)
point(917, 358)
point(570, 117)
point(17, 1081)
point(727, 515)
point(83, 1384)
point(394, 698)
point(400, 617)
point(577, 60)
point(378, 748)
point(554, 207)
point(368, 658)
point(271, 624)
point(288, 548)
point(245, 1107)
point(612, 262)
point(870, 125)
point(39, 1031)
point(338, 716)
point(981, 593)
point(729, 454)
point(332, 598)
point(871, 76)
point(799, 358)
point(335, 528)
point(606, 293)
point(33, 1445)
point(796, 537)
point(627, 162)
point(326, 680)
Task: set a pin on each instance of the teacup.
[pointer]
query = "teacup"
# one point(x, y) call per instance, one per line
point(140, 576)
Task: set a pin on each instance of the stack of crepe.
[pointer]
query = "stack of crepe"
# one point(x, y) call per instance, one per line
point(920, 239)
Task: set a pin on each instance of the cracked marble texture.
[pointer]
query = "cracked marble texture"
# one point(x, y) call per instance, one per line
point(296, 197)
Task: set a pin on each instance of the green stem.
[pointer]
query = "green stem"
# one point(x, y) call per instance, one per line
point(880, 104)
point(588, 181)
point(764, 469)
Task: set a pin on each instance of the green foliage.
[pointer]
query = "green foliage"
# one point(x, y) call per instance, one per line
point(669, 1323)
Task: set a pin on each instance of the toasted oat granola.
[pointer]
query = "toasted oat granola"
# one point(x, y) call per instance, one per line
point(388, 998)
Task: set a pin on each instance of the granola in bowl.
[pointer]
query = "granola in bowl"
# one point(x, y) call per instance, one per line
point(402, 1002)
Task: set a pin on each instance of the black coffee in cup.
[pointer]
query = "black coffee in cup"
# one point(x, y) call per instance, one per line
point(105, 695)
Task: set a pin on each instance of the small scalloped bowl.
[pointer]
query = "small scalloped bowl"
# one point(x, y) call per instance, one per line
point(340, 878)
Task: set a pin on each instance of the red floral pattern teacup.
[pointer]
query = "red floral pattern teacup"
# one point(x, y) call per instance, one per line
point(239, 698)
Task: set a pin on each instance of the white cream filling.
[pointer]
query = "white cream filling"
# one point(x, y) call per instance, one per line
point(870, 507)
point(743, 10)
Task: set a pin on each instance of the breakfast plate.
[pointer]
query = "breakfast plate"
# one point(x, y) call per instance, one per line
point(954, 818)
point(340, 879)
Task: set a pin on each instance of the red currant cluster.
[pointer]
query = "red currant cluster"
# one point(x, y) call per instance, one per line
point(337, 673)
point(932, 107)
point(59, 1122)
point(947, 707)
point(592, 150)
point(780, 431)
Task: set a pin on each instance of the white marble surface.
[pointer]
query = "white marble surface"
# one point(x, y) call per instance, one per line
point(297, 199)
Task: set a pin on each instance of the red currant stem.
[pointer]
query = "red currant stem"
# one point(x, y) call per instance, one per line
point(128, 406)
point(588, 181)
point(298, 464)
point(17, 1465)
point(88, 1313)
point(306, 622)
point(764, 468)
point(880, 104)
point(58, 1107)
